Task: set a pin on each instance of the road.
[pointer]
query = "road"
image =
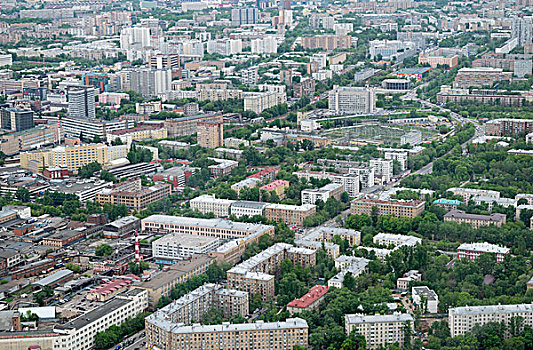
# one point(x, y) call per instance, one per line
point(136, 342)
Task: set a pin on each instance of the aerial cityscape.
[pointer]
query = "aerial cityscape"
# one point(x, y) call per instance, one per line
point(266, 175)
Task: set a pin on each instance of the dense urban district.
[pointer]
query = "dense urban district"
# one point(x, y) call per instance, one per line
point(266, 175)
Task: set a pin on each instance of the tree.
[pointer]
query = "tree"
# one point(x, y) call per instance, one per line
point(23, 194)
point(73, 267)
point(349, 281)
point(88, 170)
point(345, 198)
point(103, 250)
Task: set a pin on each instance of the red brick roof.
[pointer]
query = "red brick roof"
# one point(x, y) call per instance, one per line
point(313, 295)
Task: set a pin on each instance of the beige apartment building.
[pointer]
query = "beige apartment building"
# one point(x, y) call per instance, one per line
point(259, 101)
point(135, 200)
point(30, 139)
point(162, 283)
point(255, 274)
point(245, 336)
point(475, 220)
point(210, 134)
point(379, 330)
point(289, 214)
point(479, 77)
point(463, 319)
point(327, 42)
point(391, 207)
point(439, 57)
point(71, 157)
point(188, 125)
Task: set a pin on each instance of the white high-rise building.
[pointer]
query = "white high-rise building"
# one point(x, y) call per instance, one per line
point(383, 168)
point(81, 101)
point(522, 29)
point(131, 37)
point(352, 100)
point(267, 45)
point(224, 47)
point(150, 82)
point(242, 16)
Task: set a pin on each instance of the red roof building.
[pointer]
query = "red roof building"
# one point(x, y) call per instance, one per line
point(265, 175)
point(107, 290)
point(310, 301)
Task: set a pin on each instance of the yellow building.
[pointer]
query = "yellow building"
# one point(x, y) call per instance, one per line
point(71, 157)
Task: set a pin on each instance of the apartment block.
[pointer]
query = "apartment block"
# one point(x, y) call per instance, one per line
point(219, 228)
point(259, 101)
point(79, 333)
point(246, 183)
point(174, 247)
point(265, 175)
point(391, 207)
point(475, 220)
point(395, 240)
point(259, 335)
point(408, 277)
point(354, 265)
point(89, 129)
point(127, 136)
point(289, 214)
point(439, 57)
point(276, 186)
point(248, 208)
point(29, 139)
point(306, 87)
point(138, 199)
point(327, 42)
point(309, 301)
point(401, 157)
point(463, 319)
point(485, 98)
point(162, 283)
point(188, 125)
point(194, 306)
point(508, 127)
point(210, 134)
point(479, 77)
point(425, 299)
point(16, 119)
point(255, 274)
point(383, 169)
point(81, 101)
point(332, 190)
point(243, 16)
point(349, 182)
point(210, 204)
point(473, 250)
point(379, 330)
point(71, 157)
point(352, 100)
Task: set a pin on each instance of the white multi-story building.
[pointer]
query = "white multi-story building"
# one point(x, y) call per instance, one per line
point(379, 330)
point(352, 100)
point(210, 204)
point(177, 246)
point(321, 60)
point(473, 250)
point(463, 319)
point(389, 49)
point(401, 157)
point(248, 208)
point(468, 193)
point(412, 138)
point(408, 277)
point(266, 45)
point(249, 76)
point(259, 101)
point(90, 128)
point(138, 36)
point(81, 102)
point(366, 176)
point(79, 333)
point(224, 47)
point(347, 264)
point(310, 196)
point(382, 168)
point(425, 299)
point(387, 239)
point(343, 28)
point(349, 182)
